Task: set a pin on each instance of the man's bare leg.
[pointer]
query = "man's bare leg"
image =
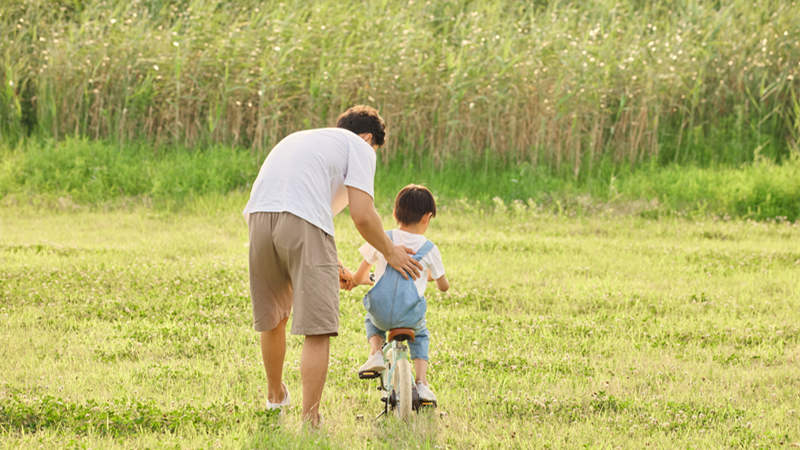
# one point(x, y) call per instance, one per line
point(313, 371)
point(273, 352)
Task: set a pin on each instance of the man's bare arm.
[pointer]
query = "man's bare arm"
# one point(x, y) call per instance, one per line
point(368, 223)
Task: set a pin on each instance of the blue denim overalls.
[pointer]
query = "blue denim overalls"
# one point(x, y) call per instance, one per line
point(395, 303)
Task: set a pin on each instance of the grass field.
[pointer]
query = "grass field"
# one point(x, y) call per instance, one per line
point(619, 191)
point(132, 328)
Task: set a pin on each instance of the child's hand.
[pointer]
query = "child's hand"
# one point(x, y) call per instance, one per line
point(346, 280)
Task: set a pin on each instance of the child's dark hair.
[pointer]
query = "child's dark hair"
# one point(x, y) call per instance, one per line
point(363, 119)
point(413, 202)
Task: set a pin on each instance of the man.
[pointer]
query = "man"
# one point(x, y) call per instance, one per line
point(307, 178)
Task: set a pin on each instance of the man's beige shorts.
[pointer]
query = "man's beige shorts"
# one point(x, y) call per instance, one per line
point(293, 264)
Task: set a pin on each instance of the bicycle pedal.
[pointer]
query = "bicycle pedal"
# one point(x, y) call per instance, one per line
point(368, 374)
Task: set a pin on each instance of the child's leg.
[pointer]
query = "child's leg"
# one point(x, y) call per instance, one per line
point(419, 353)
point(420, 369)
point(375, 362)
point(375, 344)
point(375, 336)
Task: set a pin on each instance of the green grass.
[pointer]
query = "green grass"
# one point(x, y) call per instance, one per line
point(95, 171)
point(558, 84)
point(132, 328)
point(80, 173)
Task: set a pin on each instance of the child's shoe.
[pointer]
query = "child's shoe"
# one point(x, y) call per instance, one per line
point(425, 393)
point(374, 365)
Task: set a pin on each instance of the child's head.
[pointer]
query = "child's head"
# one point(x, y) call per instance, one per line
point(413, 204)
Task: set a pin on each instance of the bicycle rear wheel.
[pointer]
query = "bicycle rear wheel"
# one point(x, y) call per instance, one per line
point(402, 386)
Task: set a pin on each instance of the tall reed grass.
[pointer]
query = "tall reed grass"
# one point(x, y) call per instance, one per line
point(561, 84)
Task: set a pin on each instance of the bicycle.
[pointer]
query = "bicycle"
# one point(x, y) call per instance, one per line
point(396, 380)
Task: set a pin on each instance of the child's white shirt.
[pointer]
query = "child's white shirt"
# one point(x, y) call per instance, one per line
point(431, 263)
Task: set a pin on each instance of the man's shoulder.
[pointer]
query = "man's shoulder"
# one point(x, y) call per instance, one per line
point(339, 134)
point(335, 132)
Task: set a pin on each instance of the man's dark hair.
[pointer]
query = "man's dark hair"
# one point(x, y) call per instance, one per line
point(363, 119)
point(413, 202)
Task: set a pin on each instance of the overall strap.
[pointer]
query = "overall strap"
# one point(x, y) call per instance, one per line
point(389, 233)
point(426, 247)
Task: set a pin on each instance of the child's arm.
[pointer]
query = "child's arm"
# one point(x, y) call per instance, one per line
point(362, 274)
point(442, 283)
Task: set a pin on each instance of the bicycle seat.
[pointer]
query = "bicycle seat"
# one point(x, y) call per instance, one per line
point(401, 334)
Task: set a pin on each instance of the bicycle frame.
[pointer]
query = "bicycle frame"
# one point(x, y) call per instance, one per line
point(396, 351)
point(393, 351)
point(396, 357)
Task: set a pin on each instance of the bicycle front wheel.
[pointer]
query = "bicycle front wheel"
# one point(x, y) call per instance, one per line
point(402, 386)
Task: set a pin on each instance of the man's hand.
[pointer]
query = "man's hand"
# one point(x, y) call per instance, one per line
point(400, 258)
point(346, 280)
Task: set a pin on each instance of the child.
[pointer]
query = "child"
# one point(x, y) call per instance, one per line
point(413, 209)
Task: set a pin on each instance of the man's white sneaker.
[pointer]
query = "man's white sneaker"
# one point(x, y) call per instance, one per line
point(272, 406)
point(373, 364)
point(425, 393)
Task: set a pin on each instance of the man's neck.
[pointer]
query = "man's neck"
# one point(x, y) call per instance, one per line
point(417, 228)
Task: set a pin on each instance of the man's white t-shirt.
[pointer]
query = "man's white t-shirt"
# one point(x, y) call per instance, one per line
point(306, 174)
point(431, 263)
